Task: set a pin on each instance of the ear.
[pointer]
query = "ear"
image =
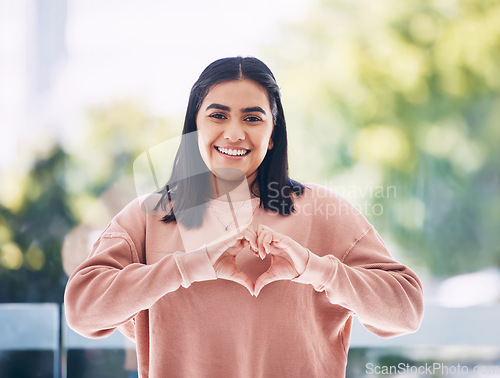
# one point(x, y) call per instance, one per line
point(271, 144)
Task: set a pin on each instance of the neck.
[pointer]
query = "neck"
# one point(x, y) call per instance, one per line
point(225, 190)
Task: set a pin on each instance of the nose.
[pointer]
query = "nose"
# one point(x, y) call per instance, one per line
point(234, 131)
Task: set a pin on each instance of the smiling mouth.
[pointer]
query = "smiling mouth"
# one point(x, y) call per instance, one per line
point(232, 152)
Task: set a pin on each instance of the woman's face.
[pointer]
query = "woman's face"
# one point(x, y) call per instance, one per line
point(234, 126)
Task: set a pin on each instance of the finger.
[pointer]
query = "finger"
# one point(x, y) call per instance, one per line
point(254, 252)
point(251, 236)
point(260, 241)
point(264, 279)
point(245, 243)
point(297, 253)
point(268, 236)
point(270, 239)
point(268, 229)
point(226, 269)
point(266, 241)
point(240, 246)
point(281, 242)
point(273, 249)
point(277, 237)
point(236, 248)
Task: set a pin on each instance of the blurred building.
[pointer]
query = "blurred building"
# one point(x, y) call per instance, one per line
point(32, 46)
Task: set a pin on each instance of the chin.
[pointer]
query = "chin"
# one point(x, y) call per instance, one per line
point(230, 174)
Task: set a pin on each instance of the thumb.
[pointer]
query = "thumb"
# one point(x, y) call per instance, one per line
point(241, 278)
point(265, 278)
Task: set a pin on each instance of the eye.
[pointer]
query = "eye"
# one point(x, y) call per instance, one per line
point(253, 119)
point(217, 116)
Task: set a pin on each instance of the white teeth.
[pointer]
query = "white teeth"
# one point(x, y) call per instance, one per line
point(232, 152)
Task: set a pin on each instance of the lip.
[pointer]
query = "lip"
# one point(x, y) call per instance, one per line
point(229, 156)
point(233, 147)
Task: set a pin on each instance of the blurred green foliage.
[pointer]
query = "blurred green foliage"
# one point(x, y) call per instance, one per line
point(31, 232)
point(39, 207)
point(403, 97)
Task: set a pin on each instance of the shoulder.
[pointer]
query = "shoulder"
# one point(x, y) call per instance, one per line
point(334, 221)
point(132, 218)
point(331, 208)
point(132, 209)
point(130, 226)
point(320, 194)
point(143, 206)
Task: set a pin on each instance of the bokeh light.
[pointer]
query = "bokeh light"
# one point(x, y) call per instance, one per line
point(11, 256)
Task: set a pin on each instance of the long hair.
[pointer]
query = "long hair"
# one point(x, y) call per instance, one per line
point(183, 193)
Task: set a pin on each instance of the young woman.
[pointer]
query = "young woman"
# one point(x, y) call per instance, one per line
point(234, 269)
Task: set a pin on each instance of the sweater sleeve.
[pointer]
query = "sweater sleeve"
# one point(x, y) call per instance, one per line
point(384, 294)
point(108, 289)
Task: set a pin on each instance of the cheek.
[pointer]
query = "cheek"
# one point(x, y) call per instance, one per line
point(263, 149)
point(205, 135)
point(202, 146)
point(265, 139)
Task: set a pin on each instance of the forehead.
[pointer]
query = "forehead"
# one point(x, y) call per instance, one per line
point(239, 93)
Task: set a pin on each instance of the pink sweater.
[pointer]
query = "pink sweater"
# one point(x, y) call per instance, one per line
point(187, 323)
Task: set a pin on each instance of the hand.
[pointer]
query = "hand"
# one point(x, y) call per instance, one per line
point(222, 254)
point(288, 258)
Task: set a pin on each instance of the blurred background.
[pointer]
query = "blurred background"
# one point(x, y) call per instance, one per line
point(393, 104)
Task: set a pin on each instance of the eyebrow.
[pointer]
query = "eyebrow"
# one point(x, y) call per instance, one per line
point(253, 109)
point(243, 110)
point(218, 106)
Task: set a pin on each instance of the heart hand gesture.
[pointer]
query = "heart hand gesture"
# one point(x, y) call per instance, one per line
point(222, 254)
point(288, 258)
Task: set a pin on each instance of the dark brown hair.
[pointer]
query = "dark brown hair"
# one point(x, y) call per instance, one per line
point(183, 192)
